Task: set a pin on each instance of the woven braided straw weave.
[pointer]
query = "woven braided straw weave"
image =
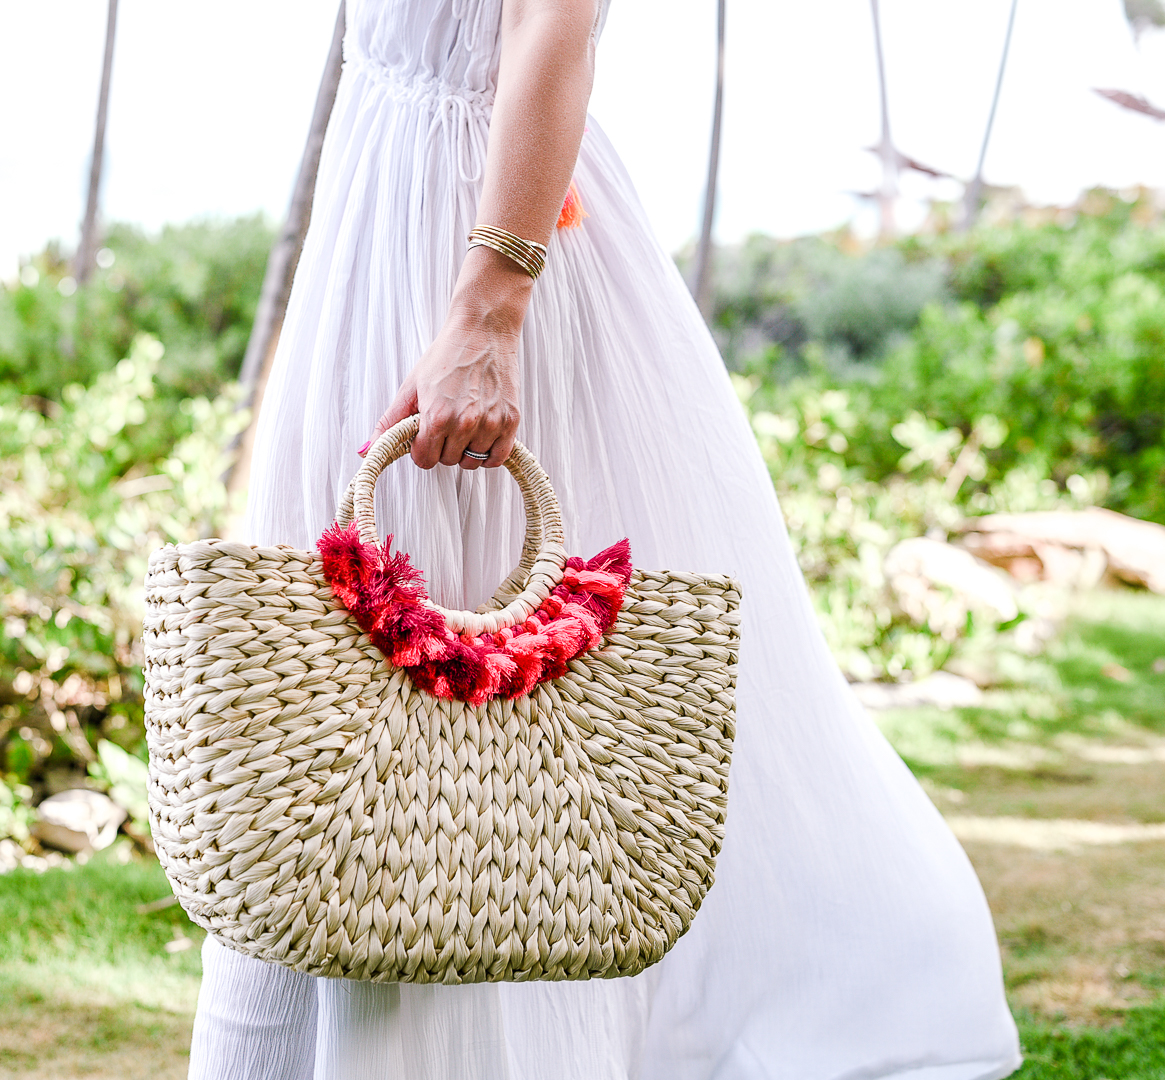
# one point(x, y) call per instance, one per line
point(312, 807)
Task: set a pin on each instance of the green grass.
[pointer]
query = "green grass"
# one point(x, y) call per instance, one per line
point(1069, 690)
point(41, 1035)
point(89, 909)
point(87, 986)
point(1067, 918)
point(78, 933)
point(1126, 628)
point(1133, 1051)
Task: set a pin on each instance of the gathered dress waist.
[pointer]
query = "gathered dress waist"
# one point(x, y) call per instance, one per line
point(460, 114)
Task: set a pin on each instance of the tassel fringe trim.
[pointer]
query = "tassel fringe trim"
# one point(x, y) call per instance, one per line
point(386, 596)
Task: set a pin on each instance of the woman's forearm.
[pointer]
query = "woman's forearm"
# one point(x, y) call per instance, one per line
point(539, 112)
point(466, 385)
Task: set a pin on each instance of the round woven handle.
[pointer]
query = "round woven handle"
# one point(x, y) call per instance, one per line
point(543, 553)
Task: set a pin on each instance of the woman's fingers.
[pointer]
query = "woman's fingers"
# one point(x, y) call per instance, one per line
point(429, 445)
point(404, 404)
point(498, 453)
point(468, 433)
point(444, 437)
point(477, 454)
point(492, 442)
point(458, 431)
point(465, 389)
point(490, 438)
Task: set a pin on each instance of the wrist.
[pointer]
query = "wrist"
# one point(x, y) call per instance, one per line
point(492, 293)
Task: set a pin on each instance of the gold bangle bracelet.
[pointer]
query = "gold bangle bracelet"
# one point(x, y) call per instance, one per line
point(529, 255)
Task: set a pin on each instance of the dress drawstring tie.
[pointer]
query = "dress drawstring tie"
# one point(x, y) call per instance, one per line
point(460, 114)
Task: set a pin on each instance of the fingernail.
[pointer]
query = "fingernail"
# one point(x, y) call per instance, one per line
point(364, 449)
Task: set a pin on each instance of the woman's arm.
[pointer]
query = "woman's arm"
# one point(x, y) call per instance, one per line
point(465, 386)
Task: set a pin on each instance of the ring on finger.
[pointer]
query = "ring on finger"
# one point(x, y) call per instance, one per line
point(475, 455)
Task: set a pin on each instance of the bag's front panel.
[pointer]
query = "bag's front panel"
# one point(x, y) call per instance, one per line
point(259, 701)
point(314, 808)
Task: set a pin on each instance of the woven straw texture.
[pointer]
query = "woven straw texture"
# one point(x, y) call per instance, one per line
point(314, 808)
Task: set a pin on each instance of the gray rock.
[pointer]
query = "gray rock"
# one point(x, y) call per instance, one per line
point(940, 688)
point(78, 820)
point(1071, 547)
point(937, 583)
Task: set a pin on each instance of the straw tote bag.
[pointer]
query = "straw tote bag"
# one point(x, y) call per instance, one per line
point(351, 781)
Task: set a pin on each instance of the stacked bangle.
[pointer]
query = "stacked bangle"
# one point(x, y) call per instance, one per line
point(530, 256)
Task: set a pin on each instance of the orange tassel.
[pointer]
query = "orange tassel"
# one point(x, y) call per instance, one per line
point(572, 213)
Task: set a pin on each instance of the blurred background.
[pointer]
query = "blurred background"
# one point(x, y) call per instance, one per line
point(929, 238)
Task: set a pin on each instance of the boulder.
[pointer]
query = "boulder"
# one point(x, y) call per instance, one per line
point(78, 820)
point(940, 688)
point(937, 583)
point(1071, 547)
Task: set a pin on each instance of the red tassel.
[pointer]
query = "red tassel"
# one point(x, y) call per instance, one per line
point(386, 596)
point(615, 560)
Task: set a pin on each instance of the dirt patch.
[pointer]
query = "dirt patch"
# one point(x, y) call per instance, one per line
point(1082, 930)
point(1067, 785)
point(42, 1038)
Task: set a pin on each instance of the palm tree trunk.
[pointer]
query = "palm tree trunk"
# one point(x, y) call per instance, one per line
point(284, 257)
point(282, 261)
point(701, 276)
point(87, 249)
point(973, 194)
point(888, 192)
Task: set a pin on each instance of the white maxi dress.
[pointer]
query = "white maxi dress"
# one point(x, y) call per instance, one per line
point(846, 935)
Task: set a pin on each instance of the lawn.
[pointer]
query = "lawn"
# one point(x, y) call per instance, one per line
point(95, 982)
point(1133, 1051)
point(1055, 785)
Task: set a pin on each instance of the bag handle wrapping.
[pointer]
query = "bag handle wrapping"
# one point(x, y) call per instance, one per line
point(539, 571)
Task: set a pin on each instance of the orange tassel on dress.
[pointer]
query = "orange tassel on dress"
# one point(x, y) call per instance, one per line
point(572, 213)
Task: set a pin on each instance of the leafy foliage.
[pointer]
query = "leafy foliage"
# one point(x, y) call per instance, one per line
point(843, 520)
point(79, 514)
point(124, 778)
point(1070, 353)
point(16, 813)
point(107, 450)
point(851, 304)
point(1056, 328)
point(193, 287)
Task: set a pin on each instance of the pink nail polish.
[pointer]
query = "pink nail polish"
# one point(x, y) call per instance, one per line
point(364, 449)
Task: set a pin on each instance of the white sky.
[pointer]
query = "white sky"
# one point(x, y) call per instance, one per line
point(210, 104)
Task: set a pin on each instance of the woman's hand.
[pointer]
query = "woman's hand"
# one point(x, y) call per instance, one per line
point(466, 389)
point(465, 386)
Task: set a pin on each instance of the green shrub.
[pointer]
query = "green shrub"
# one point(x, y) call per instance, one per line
point(775, 296)
point(842, 520)
point(869, 302)
point(123, 777)
point(193, 287)
point(79, 514)
point(107, 450)
point(1057, 328)
point(16, 812)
